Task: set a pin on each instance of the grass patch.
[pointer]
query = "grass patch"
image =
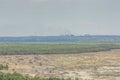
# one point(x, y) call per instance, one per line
point(16, 76)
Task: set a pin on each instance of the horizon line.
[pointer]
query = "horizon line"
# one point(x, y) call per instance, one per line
point(56, 35)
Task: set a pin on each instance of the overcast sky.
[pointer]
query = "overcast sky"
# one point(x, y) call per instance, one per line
point(59, 17)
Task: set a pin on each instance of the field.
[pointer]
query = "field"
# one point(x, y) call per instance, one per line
point(54, 48)
point(87, 61)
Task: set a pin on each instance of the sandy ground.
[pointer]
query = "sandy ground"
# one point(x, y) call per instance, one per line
point(104, 65)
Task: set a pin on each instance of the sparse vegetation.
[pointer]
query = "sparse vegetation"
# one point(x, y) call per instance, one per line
point(16, 76)
point(94, 65)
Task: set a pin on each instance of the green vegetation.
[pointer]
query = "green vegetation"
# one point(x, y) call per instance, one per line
point(3, 67)
point(54, 48)
point(16, 76)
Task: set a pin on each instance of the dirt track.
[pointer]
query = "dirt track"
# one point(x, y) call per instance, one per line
point(95, 65)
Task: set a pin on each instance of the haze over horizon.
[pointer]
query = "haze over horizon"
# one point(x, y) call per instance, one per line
point(59, 17)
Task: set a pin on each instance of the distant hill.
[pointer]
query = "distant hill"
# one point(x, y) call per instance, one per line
point(66, 38)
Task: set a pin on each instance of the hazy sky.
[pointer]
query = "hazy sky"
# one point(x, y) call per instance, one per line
point(59, 17)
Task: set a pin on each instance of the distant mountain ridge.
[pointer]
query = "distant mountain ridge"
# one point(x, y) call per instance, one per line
point(66, 38)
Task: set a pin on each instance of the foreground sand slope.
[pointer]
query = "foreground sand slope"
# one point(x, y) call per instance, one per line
point(104, 65)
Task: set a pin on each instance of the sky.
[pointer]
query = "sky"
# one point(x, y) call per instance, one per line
point(59, 17)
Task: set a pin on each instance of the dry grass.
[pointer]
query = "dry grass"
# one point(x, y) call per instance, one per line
point(95, 65)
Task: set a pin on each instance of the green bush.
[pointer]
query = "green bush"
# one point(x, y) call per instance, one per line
point(3, 67)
